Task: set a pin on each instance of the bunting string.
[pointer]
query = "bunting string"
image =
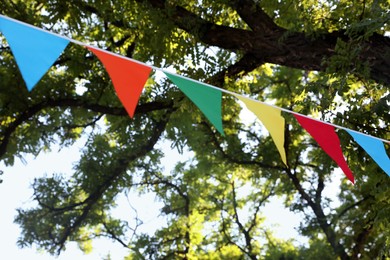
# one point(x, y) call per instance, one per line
point(129, 76)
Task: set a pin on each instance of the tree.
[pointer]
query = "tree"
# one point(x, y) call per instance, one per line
point(328, 59)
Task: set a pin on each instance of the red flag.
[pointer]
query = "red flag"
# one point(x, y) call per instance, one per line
point(327, 138)
point(128, 77)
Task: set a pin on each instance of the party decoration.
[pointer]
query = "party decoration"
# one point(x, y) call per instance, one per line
point(374, 148)
point(272, 120)
point(34, 50)
point(327, 138)
point(127, 76)
point(206, 98)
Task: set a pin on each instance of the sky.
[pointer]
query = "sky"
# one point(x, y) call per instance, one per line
point(16, 192)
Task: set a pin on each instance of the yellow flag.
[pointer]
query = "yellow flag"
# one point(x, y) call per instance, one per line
point(271, 119)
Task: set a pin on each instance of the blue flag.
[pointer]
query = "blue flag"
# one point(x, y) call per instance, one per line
point(374, 148)
point(34, 50)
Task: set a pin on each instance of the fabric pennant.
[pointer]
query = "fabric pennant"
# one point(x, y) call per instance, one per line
point(272, 120)
point(374, 148)
point(327, 138)
point(128, 77)
point(206, 98)
point(34, 50)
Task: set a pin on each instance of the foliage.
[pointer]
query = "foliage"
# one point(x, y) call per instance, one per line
point(328, 59)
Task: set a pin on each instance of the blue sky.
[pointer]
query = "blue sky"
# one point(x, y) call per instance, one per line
point(16, 192)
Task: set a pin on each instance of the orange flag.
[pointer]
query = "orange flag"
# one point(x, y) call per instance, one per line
point(128, 77)
point(327, 138)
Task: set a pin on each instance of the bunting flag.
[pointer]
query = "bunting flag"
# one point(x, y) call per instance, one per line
point(374, 148)
point(272, 120)
point(207, 99)
point(128, 77)
point(327, 138)
point(34, 50)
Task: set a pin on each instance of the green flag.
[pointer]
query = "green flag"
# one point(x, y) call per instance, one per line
point(206, 98)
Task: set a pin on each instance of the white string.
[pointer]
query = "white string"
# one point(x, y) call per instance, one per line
point(187, 78)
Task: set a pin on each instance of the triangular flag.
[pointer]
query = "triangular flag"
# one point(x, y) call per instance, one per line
point(34, 50)
point(374, 148)
point(206, 98)
point(272, 120)
point(327, 138)
point(128, 77)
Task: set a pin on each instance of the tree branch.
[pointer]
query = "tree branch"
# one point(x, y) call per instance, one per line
point(114, 236)
point(246, 233)
point(73, 103)
point(320, 216)
point(276, 45)
point(258, 206)
point(225, 233)
point(255, 17)
point(232, 158)
point(346, 209)
point(118, 170)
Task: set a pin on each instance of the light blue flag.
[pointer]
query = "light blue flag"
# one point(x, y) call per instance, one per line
point(34, 50)
point(374, 148)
